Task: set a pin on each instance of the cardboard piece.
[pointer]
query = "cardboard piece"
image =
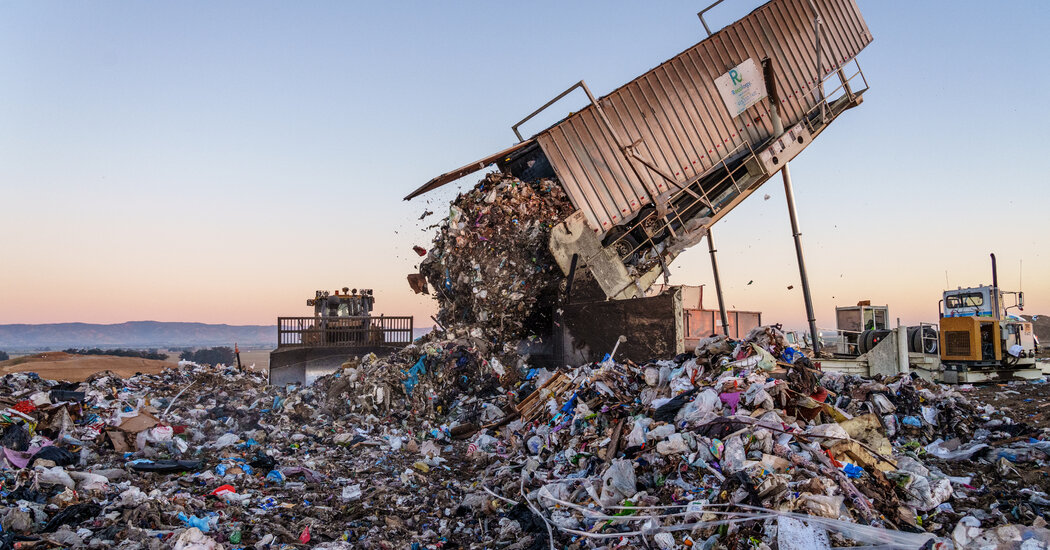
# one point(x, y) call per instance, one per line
point(119, 441)
point(140, 423)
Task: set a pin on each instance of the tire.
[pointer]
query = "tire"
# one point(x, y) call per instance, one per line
point(864, 343)
point(873, 339)
point(914, 340)
point(931, 343)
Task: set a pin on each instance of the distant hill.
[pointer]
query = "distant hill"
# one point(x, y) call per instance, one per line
point(1041, 326)
point(135, 334)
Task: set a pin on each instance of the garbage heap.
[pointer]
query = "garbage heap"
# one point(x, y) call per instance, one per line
point(740, 444)
point(743, 444)
point(489, 265)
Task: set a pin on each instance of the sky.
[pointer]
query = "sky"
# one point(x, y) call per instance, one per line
point(220, 161)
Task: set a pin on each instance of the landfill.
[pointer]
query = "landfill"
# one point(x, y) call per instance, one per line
point(742, 444)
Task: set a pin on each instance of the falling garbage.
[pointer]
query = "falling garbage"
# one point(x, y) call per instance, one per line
point(489, 266)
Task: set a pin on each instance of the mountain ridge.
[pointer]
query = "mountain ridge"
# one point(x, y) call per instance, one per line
point(133, 334)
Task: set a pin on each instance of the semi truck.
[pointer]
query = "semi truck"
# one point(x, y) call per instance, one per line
point(979, 337)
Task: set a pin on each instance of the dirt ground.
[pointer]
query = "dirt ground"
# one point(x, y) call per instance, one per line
point(1025, 402)
point(999, 483)
point(56, 365)
point(258, 357)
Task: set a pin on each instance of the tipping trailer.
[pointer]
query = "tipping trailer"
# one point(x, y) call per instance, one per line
point(651, 166)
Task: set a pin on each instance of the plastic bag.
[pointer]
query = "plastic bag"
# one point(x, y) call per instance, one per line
point(962, 453)
point(821, 505)
point(56, 476)
point(734, 458)
point(225, 440)
point(829, 434)
point(767, 361)
point(618, 482)
point(675, 444)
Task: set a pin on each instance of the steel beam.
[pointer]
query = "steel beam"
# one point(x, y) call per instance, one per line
point(718, 284)
point(789, 193)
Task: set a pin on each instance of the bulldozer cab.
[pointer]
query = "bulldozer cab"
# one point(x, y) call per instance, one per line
point(350, 303)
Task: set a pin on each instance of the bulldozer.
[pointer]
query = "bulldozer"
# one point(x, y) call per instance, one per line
point(342, 327)
point(979, 338)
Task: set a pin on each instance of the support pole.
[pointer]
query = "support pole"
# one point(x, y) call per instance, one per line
point(718, 284)
point(789, 193)
point(903, 359)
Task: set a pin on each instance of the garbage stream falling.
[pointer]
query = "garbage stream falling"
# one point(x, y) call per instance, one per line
point(489, 267)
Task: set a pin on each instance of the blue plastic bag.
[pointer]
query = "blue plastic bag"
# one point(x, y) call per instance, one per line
point(413, 375)
point(852, 471)
point(790, 355)
point(204, 524)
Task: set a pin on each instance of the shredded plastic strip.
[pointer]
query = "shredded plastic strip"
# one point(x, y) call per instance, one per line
point(877, 536)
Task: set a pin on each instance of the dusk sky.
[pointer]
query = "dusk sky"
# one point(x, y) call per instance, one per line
point(220, 161)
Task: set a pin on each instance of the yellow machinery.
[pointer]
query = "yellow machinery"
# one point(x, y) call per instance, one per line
point(979, 339)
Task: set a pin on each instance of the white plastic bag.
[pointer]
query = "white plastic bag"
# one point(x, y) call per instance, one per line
point(618, 482)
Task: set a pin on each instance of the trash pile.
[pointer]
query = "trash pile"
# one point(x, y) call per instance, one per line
point(489, 265)
point(742, 444)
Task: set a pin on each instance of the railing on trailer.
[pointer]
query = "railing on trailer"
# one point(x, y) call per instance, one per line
point(382, 331)
point(847, 342)
point(701, 323)
point(840, 342)
point(714, 198)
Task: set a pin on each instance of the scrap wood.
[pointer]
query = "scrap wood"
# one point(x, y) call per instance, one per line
point(614, 441)
point(532, 406)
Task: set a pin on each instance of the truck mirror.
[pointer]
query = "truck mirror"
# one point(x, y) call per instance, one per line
point(1020, 300)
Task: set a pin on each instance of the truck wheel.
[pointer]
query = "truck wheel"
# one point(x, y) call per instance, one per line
point(866, 341)
point(914, 341)
point(925, 340)
point(873, 340)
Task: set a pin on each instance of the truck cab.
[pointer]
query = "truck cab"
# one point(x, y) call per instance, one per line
point(969, 302)
point(977, 329)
